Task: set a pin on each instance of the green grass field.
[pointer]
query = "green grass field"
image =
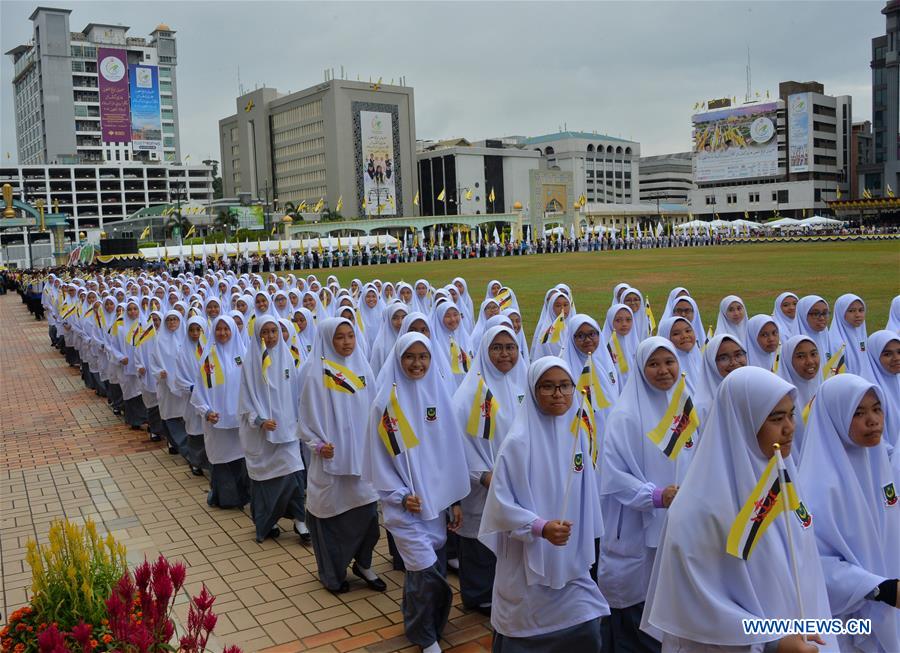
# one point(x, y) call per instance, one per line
point(757, 273)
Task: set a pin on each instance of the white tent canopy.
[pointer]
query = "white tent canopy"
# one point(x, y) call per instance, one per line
point(271, 246)
point(783, 223)
point(819, 222)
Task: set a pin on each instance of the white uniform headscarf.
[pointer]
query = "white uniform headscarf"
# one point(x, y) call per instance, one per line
point(600, 359)
point(387, 336)
point(429, 410)
point(806, 390)
point(893, 323)
point(270, 396)
point(333, 416)
point(520, 336)
point(698, 591)
point(222, 398)
point(787, 326)
point(690, 362)
point(696, 322)
point(857, 529)
point(889, 384)
point(826, 345)
point(755, 354)
point(641, 319)
point(853, 338)
point(533, 468)
point(629, 343)
point(673, 298)
point(440, 338)
point(710, 378)
point(726, 326)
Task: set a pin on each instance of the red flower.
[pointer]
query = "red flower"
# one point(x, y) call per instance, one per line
point(204, 599)
point(177, 573)
point(81, 633)
point(52, 641)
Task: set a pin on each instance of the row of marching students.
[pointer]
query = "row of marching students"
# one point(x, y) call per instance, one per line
point(543, 597)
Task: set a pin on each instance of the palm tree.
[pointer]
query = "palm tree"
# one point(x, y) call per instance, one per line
point(180, 221)
point(226, 221)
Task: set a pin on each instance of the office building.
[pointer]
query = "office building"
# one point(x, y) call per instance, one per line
point(786, 156)
point(604, 169)
point(457, 177)
point(666, 178)
point(94, 96)
point(342, 145)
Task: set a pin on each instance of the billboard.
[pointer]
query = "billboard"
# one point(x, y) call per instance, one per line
point(249, 217)
point(146, 120)
point(736, 143)
point(377, 145)
point(799, 133)
point(115, 121)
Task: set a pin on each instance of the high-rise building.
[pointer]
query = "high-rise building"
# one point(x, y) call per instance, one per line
point(342, 145)
point(884, 168)
point(94, 96)
point(666, 178)
point(786, 156)
point(604, 169)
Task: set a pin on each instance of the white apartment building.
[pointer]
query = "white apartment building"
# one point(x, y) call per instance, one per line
point(666, 178)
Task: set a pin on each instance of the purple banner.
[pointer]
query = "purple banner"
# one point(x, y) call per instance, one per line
point(115, 115)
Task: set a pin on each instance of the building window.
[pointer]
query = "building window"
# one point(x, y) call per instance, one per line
point(731, 198)
point(710, 200)
point(774, 196)
point(753, 198)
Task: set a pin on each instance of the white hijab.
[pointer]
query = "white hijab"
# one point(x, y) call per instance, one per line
point(441, 336)
point(270, 395)
point(534, 465)
point(853, 338)
point(889, 384)
point(697, 590)
point(725, 326)
point(710, 378)
point(787, 326)
point(806, 390)
point(387, 335)
point(673, 298)
point(691, 362)
point(641, 319)
point(330, 416)
point(435, 470)
point(755, 354)
point(857, 531)
point(600, 359)
point(222, 398)
point(628, 343)
point(893, 323)
point(826, 345)
point(520, 336)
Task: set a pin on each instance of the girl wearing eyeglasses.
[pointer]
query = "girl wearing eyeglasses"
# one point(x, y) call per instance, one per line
point(501, 370)
point(812, 319)
point(541, 517)
point(638, 482)
point(723, 354)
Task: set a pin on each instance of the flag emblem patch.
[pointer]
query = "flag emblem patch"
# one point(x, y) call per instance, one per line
point(890, 495)
point(431, 414)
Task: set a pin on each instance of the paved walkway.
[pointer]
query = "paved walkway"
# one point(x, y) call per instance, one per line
point(63, 453)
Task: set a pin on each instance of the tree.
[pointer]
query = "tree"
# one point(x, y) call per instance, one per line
point(176, 220)
point(329, 215)
point(217, 180)
point(226, 221)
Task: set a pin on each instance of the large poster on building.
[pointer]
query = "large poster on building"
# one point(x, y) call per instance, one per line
point(736, 143)
point(249, 217)
point(799, 132)
point(377, 144)
point(146, 120)
point(115, 121)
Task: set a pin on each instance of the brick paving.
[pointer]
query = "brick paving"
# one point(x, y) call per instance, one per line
point(64, 454)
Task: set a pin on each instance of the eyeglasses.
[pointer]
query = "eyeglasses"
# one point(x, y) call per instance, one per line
point(566, 389)
point(818, 314)
point(736, 357)
point(500, 349)
point(586, 335)
point(683, 311)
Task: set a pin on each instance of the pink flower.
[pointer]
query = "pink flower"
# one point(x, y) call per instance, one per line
point(142, 575)
point(209, 621)
point(204, 600)
point(52, 641)
point(177, 573)
point(81, 633)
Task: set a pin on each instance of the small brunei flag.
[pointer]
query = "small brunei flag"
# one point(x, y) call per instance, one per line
point(673, 433)
point(650, 317)
point(147, 334)
point(584, 420)
point(295, 354)
point(459, 359)
point(394, 429)
point(145, 232)
point(442, 195)
point(761, 509)
point(482, 422)
point(617, 354)
point(266, 364)
point(340, 379)
point(804, 414)
point(212, 369)
point(589, 383)
point(554, 331)
point(190, 233)
point(504, 297)
point(835, 365)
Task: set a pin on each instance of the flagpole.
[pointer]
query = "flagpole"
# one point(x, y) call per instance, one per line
point(565, 505)
point(787, 526)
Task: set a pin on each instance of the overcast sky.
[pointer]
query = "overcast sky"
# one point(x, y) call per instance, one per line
point(628, 69)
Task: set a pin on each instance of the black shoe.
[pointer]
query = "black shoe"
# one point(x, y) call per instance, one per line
point(196, 471)
point(138, 428)
point(375, 584)
point(117, 412)
point(273, 534)
point(172, 450)
point(343, 589)
point(305, 538)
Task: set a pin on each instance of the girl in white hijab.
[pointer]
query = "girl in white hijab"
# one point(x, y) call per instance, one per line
point(812, 319)
point(189, 357)
point(342, 512)
point(732, 318)
point(515, 318)
point(464, 296)
point(550, 334)
point(680, 332)
point(620, 340)
point(699, 593)
point(268, 431)
point(500, 370)
point(800, 365)
point(451, 341)
point(724, 354)
point(541, 519)
point(422, 300)
point(371, 308)
point(634, 299)
point(306, 331)
point(851, 490)
point(848, 326)
point(884, 361)
point(488, 309)
point(413, 431)
point(687, 308)
point(595, 372)
point(785, 315)
point(893, 323)
point(241, 323)
point(638, 482)
point(163, 363)
point(135, 413)
point(762, 341)
point(674, 295)
point(217, 385)
point(387, 336)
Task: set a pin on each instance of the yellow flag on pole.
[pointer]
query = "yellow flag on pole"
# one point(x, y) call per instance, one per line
point(442, 195)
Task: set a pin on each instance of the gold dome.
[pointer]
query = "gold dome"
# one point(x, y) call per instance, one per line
point(287, 219)
point(517, 205)
point(162, 27)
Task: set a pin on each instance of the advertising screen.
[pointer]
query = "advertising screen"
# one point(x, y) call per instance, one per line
point(249, 217)
point(799, 133)
point(379, 181)
point(146, 121)
point(736, 143)
point(115, 121)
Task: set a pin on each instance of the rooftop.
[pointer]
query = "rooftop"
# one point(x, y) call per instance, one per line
point(559, 136)
point(40, 9)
